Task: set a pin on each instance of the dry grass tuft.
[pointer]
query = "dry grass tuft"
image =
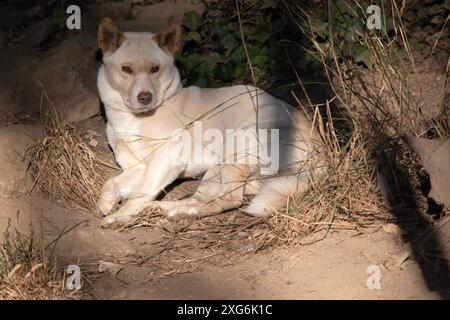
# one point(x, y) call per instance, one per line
point(27, 273)
point(346, 198)
point(372, 171)
point(63, 165)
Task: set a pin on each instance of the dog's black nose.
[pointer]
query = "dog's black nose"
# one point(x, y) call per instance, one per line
point(145, 98)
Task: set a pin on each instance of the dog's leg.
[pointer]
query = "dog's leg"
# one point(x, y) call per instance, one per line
point(118, 188)
point(221, 189)
point(158, 173)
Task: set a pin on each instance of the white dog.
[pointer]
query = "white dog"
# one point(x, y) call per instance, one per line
point(148, 111)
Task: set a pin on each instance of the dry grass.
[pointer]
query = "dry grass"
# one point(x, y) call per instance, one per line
point(187, 244)
point(63, 165)
point(346, 198)
point(27, 273)
point(380, 106)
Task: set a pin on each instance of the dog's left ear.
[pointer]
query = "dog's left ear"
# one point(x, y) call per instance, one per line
point(169, 39)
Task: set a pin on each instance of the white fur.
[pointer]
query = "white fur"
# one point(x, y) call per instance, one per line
point(142, 145)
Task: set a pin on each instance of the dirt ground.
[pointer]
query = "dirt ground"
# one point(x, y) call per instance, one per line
point(334, 268)
point(221, 257)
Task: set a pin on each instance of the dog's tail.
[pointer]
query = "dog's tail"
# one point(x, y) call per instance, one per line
point(274, 194)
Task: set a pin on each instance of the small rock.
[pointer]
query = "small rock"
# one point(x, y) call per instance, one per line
point(93, 142)
point(156, 16)
point(93, 133)
point(437, 20)
point(117, 11)
point(435, 157)
point(38, 33)
point(112, 268)
point(431, 39)
point(242, 234)
point(410, 15)
point(15, 181)
point(392, 229)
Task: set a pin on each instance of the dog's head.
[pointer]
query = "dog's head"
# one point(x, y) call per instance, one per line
point(140, 65)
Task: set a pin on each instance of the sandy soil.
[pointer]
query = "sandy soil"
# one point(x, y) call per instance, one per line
point(150, 267)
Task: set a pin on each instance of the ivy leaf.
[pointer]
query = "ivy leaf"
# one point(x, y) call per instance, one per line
point(240, 70)
point(219, 30)
point(225, 71)
point(238, 54)
point(260, 37)
point(192, 20)
point(228, 42)
point(59, 18)
point(362, 54)
point(260, 57)
point(191, 62)
point(388, 24)
point(195, 36)
point(213, 59)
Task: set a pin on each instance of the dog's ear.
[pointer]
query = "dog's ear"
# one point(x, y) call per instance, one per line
point(109, 36)
point(169, 39)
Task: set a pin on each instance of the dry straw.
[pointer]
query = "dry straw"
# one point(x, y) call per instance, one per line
point(63, 165)
point(27, 273)
point(379, 107)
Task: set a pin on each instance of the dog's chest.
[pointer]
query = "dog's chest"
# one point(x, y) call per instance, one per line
point(129, 145)
point(136, 140)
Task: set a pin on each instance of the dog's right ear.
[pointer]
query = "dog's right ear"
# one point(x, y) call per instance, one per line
point(109, 36)
point(169, 39)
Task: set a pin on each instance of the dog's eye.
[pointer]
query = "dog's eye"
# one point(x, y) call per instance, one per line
point(127, 69)
point(154, 69)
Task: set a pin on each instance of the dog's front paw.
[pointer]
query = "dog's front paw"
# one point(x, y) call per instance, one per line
point(106, 203)
point(122, 216)
point(115, 221)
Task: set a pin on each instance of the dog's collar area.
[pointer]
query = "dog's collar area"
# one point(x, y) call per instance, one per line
point(175, 93)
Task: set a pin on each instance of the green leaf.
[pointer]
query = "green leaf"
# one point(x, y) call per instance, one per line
point(218, 30)
point(240, 70)
point(195, 36)
point(260, 37)
point(261, 61)
point(238, 54)
point(205, 70)
point(191, 62)
point(269, 4)
point(59, 17)
point(213, 59)
point(362, 54)
point(225, 71)
point(447, 4)
point(415, 44)
point(192, 20)
point(228, 42)
point(388, 24)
